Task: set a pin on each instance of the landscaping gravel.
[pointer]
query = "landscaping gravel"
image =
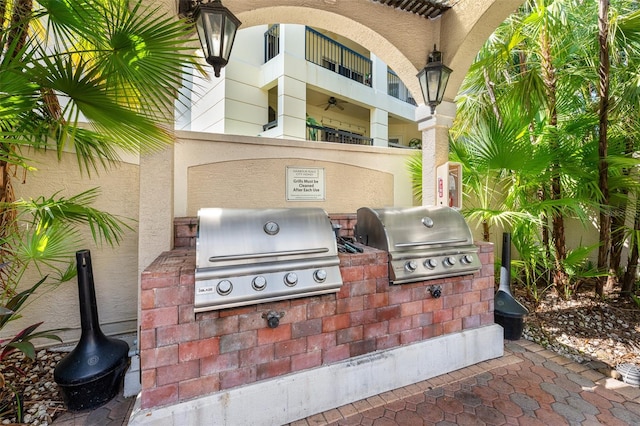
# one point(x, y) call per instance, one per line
point(41, 400)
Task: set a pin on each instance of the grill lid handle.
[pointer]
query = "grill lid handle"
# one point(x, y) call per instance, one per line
point(268, 254)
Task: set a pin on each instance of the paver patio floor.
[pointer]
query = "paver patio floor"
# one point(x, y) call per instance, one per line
point(527, 386)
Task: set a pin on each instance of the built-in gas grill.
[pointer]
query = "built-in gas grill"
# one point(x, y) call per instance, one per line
point(423, 242)
point(246, 256)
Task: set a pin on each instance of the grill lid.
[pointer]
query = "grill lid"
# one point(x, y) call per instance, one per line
point(423, 242)
point(411, 229)
point(249, 256)
point(250, 236)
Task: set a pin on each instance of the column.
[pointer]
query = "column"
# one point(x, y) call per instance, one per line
point(155, 222)
point(379, 77)
point(379, 127)
point(292, 100)
point(292, 84)
point(435, 144)
point(378, 118)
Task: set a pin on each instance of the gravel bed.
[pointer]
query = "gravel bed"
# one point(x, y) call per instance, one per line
point(40, 397)
point(587, 330)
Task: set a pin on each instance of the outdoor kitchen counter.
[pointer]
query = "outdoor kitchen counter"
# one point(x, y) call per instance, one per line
point(185, 355)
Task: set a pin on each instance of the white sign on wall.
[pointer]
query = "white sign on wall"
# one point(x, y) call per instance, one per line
point(305, 184)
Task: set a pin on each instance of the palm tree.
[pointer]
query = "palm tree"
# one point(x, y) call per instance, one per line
point(519, 65)
point(536, 80)
point(603, 115)
point(622, 114)
point(95, 77)
point(543, 59)
point(499, 165)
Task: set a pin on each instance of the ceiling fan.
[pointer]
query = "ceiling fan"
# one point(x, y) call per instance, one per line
point(333, 102)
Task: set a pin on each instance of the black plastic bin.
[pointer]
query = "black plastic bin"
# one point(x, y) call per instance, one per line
point(91, 374)
point(508, 312)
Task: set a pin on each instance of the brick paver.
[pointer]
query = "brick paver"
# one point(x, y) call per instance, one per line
point(527, 386)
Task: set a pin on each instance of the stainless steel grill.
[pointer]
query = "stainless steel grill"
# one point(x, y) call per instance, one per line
point(246, 256)
point(423, 242)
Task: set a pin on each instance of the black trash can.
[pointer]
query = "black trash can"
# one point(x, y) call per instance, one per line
point(508, 312)
point(92, 373)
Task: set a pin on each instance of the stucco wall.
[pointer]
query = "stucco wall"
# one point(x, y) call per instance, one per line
point(115, 270)
point(215, 170)
point(261, 184)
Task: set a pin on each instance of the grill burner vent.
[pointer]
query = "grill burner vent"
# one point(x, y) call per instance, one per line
point(247, 256)
point(423, 242)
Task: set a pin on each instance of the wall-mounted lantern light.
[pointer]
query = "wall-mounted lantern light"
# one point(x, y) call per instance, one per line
point(216, 27)
point(433, 79)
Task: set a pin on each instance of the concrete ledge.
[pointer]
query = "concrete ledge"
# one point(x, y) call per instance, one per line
point(295, 396)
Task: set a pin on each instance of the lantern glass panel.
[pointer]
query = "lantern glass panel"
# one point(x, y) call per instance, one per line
point(230, 28)
point(209, 30)
point(444, 79)
point(433, 84)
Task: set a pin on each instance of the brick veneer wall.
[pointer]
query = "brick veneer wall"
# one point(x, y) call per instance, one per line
point(185, 355)
point(185, 230)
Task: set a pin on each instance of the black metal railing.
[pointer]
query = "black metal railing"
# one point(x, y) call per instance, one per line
point(323, 51)
point(270, 125)
point(271, 42)
point(397, 89)
point(327, 134)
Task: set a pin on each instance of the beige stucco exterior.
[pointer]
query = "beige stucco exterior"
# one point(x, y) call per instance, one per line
point(115, 269)
point(263, 185)
point(232, 171)
point(209, 169)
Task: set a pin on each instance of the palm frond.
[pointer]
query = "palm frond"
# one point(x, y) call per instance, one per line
point(75, 210)
point(414, 164)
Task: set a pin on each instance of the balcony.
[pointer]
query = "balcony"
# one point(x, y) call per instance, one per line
point(397, 89)
point(350, 119)
point(327, 134)
point(271, 42)
point(327, 53)
point(323, 51)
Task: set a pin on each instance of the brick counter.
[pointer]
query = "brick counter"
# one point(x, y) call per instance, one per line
point(185, 355)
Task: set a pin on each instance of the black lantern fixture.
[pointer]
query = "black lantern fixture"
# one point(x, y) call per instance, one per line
point(216, 27)
point(433, 79)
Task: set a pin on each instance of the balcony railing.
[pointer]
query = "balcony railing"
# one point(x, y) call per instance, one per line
point(327, 134)
point(397, 89)
point(323, 51)
point(271, 42)
point(270, 125)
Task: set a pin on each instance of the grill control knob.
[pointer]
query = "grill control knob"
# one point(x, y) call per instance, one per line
point(224, 287)
point(259, 283)
point(320, 275)
point(291, 279)
point(449, 261)
point(411, 266)
point(467, 258)
point(430, 263)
